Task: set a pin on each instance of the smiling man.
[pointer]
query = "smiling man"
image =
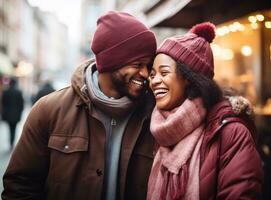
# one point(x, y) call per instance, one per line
point(92, 140)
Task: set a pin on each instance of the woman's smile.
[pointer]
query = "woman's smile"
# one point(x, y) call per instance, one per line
point(160, 93)
point(167, 86)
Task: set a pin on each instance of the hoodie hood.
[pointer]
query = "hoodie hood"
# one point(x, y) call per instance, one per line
point(78, 81)
point(219, 111)
point(230, 108)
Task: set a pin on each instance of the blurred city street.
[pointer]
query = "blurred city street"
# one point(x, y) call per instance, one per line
point(43, 42)
point(4, 143)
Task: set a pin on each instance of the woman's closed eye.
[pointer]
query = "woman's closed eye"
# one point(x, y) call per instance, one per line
point(161, 74)
point(164, 73)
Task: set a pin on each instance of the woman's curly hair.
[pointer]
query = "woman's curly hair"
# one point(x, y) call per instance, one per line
point(200, 86)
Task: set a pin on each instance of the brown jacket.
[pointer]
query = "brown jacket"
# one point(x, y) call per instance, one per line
point(61, 152)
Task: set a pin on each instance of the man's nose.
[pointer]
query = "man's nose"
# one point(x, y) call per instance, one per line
point(144, 71)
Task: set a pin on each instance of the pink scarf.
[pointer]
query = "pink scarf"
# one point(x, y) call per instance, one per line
point(175, 171)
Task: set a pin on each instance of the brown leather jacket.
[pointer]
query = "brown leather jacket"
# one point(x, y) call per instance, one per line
point(61, 152)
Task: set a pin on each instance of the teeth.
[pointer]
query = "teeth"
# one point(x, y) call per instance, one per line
point(160, 91)
point(137, 82)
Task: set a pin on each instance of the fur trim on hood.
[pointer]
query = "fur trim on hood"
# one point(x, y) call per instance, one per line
point(241, 106)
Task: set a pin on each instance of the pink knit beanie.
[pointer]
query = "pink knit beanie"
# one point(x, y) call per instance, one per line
point(193, 49)
point(121, 39)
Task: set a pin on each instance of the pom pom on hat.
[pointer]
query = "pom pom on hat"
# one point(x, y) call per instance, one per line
point(205, 30)
point(193, 49)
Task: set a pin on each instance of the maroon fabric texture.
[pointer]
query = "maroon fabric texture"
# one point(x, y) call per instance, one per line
point(230, 166)
point(192, 49)
point(121, 39)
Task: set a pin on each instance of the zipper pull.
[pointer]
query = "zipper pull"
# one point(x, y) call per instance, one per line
point(113, 122)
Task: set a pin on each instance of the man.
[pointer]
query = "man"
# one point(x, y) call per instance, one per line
point(12, 108)
point(92, 140)
point(45, 89)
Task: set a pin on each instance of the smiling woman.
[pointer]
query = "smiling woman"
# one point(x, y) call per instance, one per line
point(163, 79)
point(190, 125)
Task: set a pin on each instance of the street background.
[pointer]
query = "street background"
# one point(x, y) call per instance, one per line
point(5, 152)
point(42, 42)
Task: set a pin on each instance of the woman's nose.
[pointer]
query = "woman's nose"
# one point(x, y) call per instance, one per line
point(156, 79)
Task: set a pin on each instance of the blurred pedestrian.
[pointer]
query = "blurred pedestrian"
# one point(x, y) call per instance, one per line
point(45, 89)
point(12, 107)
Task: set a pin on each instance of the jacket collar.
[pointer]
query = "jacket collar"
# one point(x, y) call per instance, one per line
point(215, 118)
point(78, 83)
point(130, 137)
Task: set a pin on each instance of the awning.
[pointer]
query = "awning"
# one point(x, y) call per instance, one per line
point(196, 11)
point(6, 66)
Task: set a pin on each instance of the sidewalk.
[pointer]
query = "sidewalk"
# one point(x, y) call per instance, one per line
point(4, 143)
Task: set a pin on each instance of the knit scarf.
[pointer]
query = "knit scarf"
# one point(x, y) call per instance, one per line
point(175, 171)
point(113, 107)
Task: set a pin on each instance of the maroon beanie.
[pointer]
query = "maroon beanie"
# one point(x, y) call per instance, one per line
point(193, 49)
point(121, 39)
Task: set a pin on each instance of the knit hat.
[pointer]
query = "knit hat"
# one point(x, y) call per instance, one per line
point(121, 39)
point(193, 49)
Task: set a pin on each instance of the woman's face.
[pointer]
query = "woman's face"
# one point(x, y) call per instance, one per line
point(166, 84)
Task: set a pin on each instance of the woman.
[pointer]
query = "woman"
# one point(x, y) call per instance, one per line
point(204, 150)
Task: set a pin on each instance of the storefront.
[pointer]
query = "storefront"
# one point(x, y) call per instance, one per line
point(242, 52)
point(242, 56)
point(6, 66)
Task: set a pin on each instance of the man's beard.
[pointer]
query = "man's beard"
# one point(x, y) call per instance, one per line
point(122, 86)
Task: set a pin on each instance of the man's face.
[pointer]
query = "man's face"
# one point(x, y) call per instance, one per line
point(130, 80)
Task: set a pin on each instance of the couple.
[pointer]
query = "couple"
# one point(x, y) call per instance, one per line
point(102, 137)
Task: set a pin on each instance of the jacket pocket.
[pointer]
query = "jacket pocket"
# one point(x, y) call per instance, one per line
point(68, 144)
point(67, 155)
